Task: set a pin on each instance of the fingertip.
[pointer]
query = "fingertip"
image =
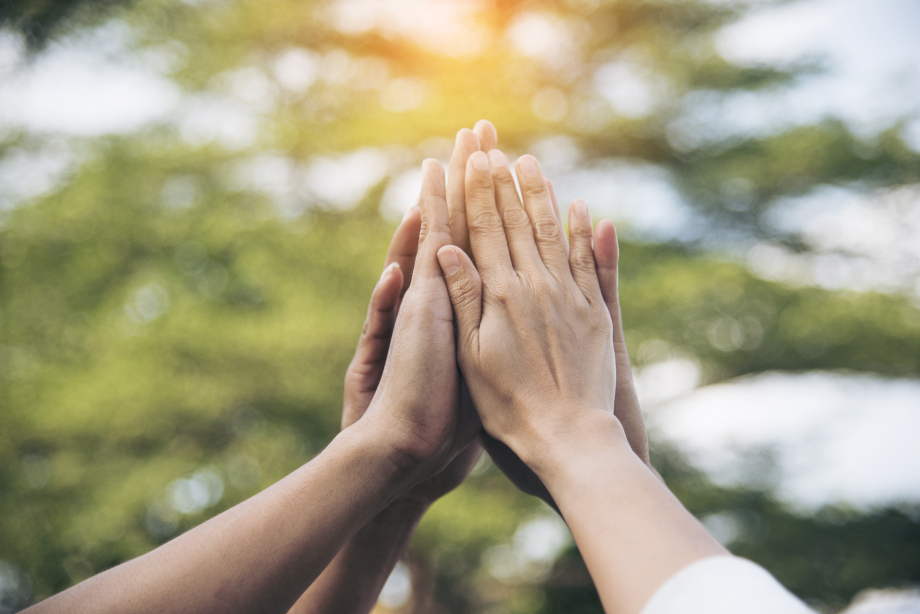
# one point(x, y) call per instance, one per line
point(449, 260)
point(479, 161)
point(432, 166)
point(488, 135)
point(497, 158)
point(393, 266)
point(528, 167)
point(579, 209)
point(387, 291)
point(466, 139)
point(412, 212)
point(606, 249)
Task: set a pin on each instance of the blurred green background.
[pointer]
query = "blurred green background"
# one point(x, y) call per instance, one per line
point(180, 295)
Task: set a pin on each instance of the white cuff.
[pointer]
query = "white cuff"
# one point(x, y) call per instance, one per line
point(723, 585)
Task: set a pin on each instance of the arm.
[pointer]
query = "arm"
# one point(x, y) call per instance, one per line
point(553, 403)
point(353, 580)
point(262, 554)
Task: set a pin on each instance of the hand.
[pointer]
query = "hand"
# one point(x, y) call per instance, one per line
point(415, 409)
point(626, 401)
point(353, 580)
point(535, 301)
point(366, 368)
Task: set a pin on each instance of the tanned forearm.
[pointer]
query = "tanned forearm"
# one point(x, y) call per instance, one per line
point(260, 555)
point(353, 580)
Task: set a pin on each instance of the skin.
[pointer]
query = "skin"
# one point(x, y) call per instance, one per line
point(626, 401)
point(536, 348)
point(262, 554)
point(353, 580)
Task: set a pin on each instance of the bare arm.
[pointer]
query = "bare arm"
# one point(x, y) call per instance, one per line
point(536, 348)
point(262, 554)
point(353, 580)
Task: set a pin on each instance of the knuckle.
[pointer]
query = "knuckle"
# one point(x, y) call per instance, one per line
point(581, 231)
point(535, 189)
point(546, 229)
point(464, 291)
point(516, 218)
point(430, 227)
point(582, 259)
point(484, 218)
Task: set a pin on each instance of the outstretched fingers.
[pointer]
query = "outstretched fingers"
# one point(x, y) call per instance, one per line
point(581, 252)
point(404, 245)
point(626, 403)
point(465, 289)
point(549, 236)
point(552, 197)
point(487, 235)
point(366, 367)
point(466, 143)
point(435, 226)
point(488, 135)
point(518, 231)
point(606, 257)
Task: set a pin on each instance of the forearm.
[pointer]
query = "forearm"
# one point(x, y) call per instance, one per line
point(630, 529)
point(261, 554)
point(353, 580)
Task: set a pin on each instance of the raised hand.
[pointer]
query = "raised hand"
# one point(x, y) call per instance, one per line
point(626, 402)
point(536, 301)
point(536, 349)
point(353, 580)
point(366, 368)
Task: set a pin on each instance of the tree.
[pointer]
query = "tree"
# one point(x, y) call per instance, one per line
point(176, 318)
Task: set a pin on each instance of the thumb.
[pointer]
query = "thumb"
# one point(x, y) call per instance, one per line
point(465, 288)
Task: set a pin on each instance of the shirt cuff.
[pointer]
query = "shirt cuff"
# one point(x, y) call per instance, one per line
point(723, 585)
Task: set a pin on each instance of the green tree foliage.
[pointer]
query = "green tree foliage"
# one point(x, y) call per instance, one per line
point(173, 338)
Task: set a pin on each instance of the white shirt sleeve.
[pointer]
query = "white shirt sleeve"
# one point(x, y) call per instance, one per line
point(723, 585)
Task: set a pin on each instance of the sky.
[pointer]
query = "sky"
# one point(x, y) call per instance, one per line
point(833, 437)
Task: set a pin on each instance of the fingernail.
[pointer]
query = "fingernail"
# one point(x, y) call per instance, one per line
point(449, 261)
point(409, 211)
point(497, 158)
point(480, 161)
point(387, 271)
point(528, 166)
point(581, 209)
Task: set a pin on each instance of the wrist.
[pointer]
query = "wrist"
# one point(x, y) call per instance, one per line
point(365, 439)
point(555, 454)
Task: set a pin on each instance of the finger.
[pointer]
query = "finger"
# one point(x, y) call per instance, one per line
point(366, 367)
point(552, 197)
point(466, 143)
point(487, 236)
point(626, 402)
point(435, 227)
point(488, 135)
point(606, 256)
point(581, 254)
point(518, 232)
point(465, 289)
point(548, 235)
point(404, 245)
